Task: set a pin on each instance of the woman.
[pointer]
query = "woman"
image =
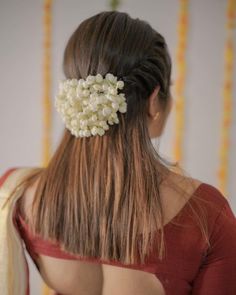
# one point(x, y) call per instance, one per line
point(108, 215)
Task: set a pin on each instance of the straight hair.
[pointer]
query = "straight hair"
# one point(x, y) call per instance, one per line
point(99, 196)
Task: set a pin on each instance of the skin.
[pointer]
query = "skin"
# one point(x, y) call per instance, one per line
point(156, 126)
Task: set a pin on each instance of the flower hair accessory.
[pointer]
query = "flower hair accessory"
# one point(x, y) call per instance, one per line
point(88, 106)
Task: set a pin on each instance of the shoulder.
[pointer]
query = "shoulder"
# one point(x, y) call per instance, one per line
point(220, 215)
point(25, 201)
point(5, 174)
point(214, 200)
point(218, 200)
point(223, 234)
point(208, 199)
point(221, 222)
point(23, 171)
point(218, 267)
point(207, 194)
point(211, 192)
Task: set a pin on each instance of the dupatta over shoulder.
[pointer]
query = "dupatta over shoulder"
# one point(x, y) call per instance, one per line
point(14, 270)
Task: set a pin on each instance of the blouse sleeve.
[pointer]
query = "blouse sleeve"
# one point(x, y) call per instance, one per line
point(217, 275)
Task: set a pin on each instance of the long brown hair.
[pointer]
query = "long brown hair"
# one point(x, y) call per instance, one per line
point(99, 196)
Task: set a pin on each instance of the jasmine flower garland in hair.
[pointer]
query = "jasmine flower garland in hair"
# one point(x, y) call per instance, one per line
point(88, 106)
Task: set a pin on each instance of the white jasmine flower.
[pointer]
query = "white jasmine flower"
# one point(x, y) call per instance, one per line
point(123, 109)
point(94, 130)
point(88, 106)
point(81, 82)
point(97, 87)
point(99, 78)
point(74, 122)
point(81, 133)
point(85, 85)
point(106, 111)
point(87, 133)
point(86, 93)
point(120, 84)
point(101, 131)
point(93, 107)
point(105, 87)
point(99, 99)
point(94, 118)
point(115, 106)
point(111, 78)
point(90, 79)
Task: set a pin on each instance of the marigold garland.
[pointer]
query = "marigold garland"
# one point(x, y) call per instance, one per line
point(180, 79)
point(227, 98)
point(47, 109)
point(114, 4)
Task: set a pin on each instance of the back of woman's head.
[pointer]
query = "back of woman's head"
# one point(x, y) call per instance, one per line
point(100, 194)
point(129, 48)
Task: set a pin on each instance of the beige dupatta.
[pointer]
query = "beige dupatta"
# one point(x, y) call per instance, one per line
point(13, 263)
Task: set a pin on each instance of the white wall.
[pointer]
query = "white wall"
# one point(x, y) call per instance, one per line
point(21, 80)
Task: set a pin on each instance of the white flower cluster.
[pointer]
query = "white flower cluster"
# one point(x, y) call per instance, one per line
point(86, 106)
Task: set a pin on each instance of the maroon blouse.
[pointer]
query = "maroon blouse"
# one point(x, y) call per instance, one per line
point(190, 266)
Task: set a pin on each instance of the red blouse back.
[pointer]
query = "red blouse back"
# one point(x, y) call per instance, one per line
point(190, 265)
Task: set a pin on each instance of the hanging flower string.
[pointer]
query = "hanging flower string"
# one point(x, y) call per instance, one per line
point(180, 80)
point(114, 4)
point(47, 109)
point(227, 98)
